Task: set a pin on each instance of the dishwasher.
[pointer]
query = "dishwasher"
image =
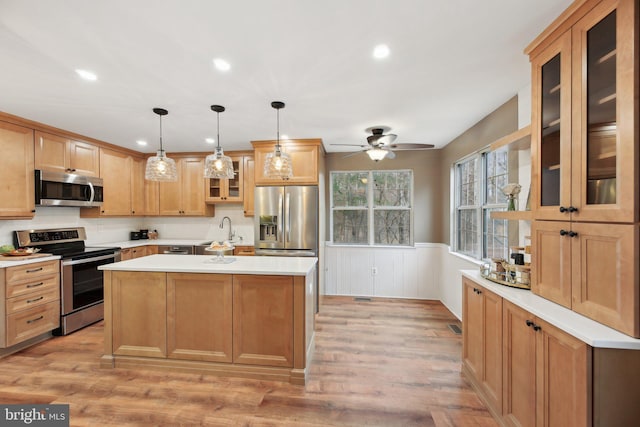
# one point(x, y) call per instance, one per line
point(175, 249)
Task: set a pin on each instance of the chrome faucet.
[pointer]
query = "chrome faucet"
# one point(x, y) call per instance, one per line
point(230, 230)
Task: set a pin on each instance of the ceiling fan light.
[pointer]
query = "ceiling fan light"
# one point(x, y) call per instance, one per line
point(160, 167)
point(377, 154)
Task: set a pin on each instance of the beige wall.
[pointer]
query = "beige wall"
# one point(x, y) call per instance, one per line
point(501, 122)
point(427, 189)
point(432, 169)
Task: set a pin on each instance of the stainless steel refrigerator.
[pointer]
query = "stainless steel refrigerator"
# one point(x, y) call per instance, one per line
point(286, 220)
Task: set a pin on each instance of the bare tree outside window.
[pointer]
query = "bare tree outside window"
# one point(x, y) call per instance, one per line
point(372, 207)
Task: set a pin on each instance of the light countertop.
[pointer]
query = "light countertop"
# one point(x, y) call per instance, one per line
point(282, 266)
point(17, 261)
point(589, 331)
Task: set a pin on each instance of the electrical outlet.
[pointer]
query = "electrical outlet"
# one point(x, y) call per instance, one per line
point(374, 271)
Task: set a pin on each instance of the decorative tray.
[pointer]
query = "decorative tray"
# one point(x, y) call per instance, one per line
point(512, 275)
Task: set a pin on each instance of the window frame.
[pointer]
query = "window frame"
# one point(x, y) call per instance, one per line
point(480, 208)
point(371, 208)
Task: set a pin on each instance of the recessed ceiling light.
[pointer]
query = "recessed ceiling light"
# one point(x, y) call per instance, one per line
point(381, 51)
point(210, 140)
point(87, 75)
point(221, 64)
point(141, 142)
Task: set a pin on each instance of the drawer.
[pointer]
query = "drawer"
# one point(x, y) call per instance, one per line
point(33, 299)
point(29, 271)
point(35, 284)
point(244, 250)
point(32, 322)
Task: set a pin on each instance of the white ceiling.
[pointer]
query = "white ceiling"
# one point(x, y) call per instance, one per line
point(451, 63)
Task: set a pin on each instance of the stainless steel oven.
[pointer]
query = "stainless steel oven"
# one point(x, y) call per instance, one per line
point(81, 283)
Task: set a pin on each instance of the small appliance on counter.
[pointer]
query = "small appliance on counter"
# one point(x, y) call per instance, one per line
point(134, 235)
point(144, 234)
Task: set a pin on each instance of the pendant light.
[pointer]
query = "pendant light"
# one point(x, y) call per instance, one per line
point(217, 165)
point(160, 167)
point(278, 163)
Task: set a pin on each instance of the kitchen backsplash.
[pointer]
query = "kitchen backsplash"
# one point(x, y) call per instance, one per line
point(105, 230)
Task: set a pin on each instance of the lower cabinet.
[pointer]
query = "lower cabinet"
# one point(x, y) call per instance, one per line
point(545, 373)
point(31, 301)
point(135, 252)
point(263, 320)
point(199, 316)
point(482, 340)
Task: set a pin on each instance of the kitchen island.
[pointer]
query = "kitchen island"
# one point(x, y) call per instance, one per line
point(252, 317)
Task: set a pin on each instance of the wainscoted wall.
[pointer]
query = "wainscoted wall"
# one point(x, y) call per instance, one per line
point(426, 271)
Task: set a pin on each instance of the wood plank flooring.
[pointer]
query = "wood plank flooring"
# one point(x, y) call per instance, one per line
point(379, 363)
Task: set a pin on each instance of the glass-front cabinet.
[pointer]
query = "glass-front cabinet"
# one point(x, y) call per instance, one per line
point(226, 190)
point(585, 145)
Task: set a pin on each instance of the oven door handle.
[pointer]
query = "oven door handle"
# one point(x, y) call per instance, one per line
point(88, 260)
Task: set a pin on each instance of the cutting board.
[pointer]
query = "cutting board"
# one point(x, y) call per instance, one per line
point(22, 258)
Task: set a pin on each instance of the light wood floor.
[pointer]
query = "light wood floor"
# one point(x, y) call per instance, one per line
point(380, 363)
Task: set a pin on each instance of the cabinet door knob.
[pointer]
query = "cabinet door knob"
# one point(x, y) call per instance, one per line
point(563, 232)
point(563, 209)
point(529, 323)
point(572, 234)
point(536, 328)
point(573, 209)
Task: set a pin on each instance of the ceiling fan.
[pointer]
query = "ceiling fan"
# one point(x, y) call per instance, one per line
point(382, 144)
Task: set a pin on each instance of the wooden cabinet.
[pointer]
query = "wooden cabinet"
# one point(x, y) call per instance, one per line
point(227, 190)
point(31, 301)
point(134, 252)
point(116, 174)
point(589, 268)
point(60, 154)
point(263, 320)
point(249, 185)
point(584, 116)
point(138, 314)
point(138, 187)
point(482, 341)
point(305, 157)
point(185, 197)
point(16, 172)
point(545, 373)
point(199, 317)
point(244, 250)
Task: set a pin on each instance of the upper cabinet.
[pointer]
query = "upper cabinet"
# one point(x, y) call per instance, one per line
point(16, 173)
point(584, 115)
point(185, 197)
point(226, 190)
point(305, 156)
point(60, 154)
point(249, 185)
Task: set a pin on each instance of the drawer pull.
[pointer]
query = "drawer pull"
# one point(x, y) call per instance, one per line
point(35, 320)
point(29, 301)
point(35, 285)
point(34, 270)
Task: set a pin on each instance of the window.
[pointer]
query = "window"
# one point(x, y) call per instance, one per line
point(372, 207)
point(478, 183)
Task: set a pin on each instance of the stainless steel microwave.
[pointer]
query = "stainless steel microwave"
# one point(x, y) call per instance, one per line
point(65, 189)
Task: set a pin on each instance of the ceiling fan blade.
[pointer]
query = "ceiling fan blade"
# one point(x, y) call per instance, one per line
point(352, 145)
point(378, 139)
point(410, 146)
point(352, 154)
point(390, 154)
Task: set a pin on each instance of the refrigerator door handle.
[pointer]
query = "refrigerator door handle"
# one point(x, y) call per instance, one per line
point(288, 209)
point(280, 213)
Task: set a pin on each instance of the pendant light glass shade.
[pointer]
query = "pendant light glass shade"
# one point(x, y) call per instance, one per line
point(160, 167)
point(217, 165)
point(278, 164)
point(377, 154)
